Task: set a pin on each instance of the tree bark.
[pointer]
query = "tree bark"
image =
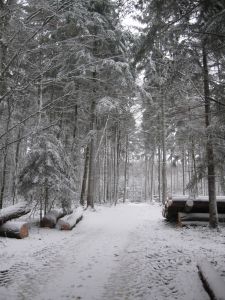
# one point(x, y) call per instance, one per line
point(213, 220)
point(152, 174)
point(164, 172)
point(183, 171)
point(91, 186)
point(14, 188)
point(125, 170)
point(159, 173)
point(5, 154)
point(85, 176)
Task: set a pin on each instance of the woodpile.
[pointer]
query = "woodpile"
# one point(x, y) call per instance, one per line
point(196, 218)
point(70, 221)
point(212, 281)
point(17, 229)
point(188, 211)
point(14, 229)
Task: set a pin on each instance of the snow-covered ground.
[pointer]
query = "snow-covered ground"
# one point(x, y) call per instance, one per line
point(123, 252)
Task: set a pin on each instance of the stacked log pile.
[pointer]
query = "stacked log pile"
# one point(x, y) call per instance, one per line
point(18, 229)
point(15, 229)
point(184, 209)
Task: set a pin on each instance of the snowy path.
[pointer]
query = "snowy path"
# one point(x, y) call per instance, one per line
point(123, 252)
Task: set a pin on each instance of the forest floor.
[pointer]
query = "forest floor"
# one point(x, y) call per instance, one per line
point(123, 252)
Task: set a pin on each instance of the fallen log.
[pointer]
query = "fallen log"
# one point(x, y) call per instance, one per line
point(13, 212)
point(212, 281)
point(51, 218)
point(14, 229)
point(70, 221)
point(192, 218)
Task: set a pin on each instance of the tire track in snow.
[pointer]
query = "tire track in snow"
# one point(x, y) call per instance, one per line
point(156, 266)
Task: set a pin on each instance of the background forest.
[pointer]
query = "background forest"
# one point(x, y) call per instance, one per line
point(92, 111)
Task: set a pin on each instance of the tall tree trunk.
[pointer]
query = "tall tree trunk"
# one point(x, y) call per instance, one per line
point(171, 173)
point(159, 173)
point(14, 188)
point(5, 155)
point(213, 214)
point(195, 187)
point(125, 170)
point(152, 175)
point(146, 177)
point(183, 171)
point(91, 173)
point(222, 180)
point(164, 172)
point(117, 162)
point(105, 169)
point(85, 176)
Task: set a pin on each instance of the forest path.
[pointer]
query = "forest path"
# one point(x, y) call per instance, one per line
point(122, 252)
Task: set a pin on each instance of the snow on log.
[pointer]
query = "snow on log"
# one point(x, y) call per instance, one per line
point(69, 222)
point(14, 211)
point(51, 218)
point(14, 229)
point(212, 281)
point(189, 205)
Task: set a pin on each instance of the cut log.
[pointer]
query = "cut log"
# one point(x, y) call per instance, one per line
point(14, 229)
point(189, 205)
point(212, 281)
point(183, 204)
point(196, 218)
point(13, 212)
point(70, 221)
point(51, 218)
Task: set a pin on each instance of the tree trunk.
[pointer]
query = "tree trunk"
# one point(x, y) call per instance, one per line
point(13, 212)
point(164, 173)
point(5, 154)
point(125, 170)
point(213, 220)
point(91, 173)
point(85, 176)
point(159, 173)
point(14, 188)
point(152, 174)
point(183, 171)
point(195, 188)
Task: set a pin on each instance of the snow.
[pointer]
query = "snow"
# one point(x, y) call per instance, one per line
point(17, 209)
point(126, 251)
point(212, 279)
